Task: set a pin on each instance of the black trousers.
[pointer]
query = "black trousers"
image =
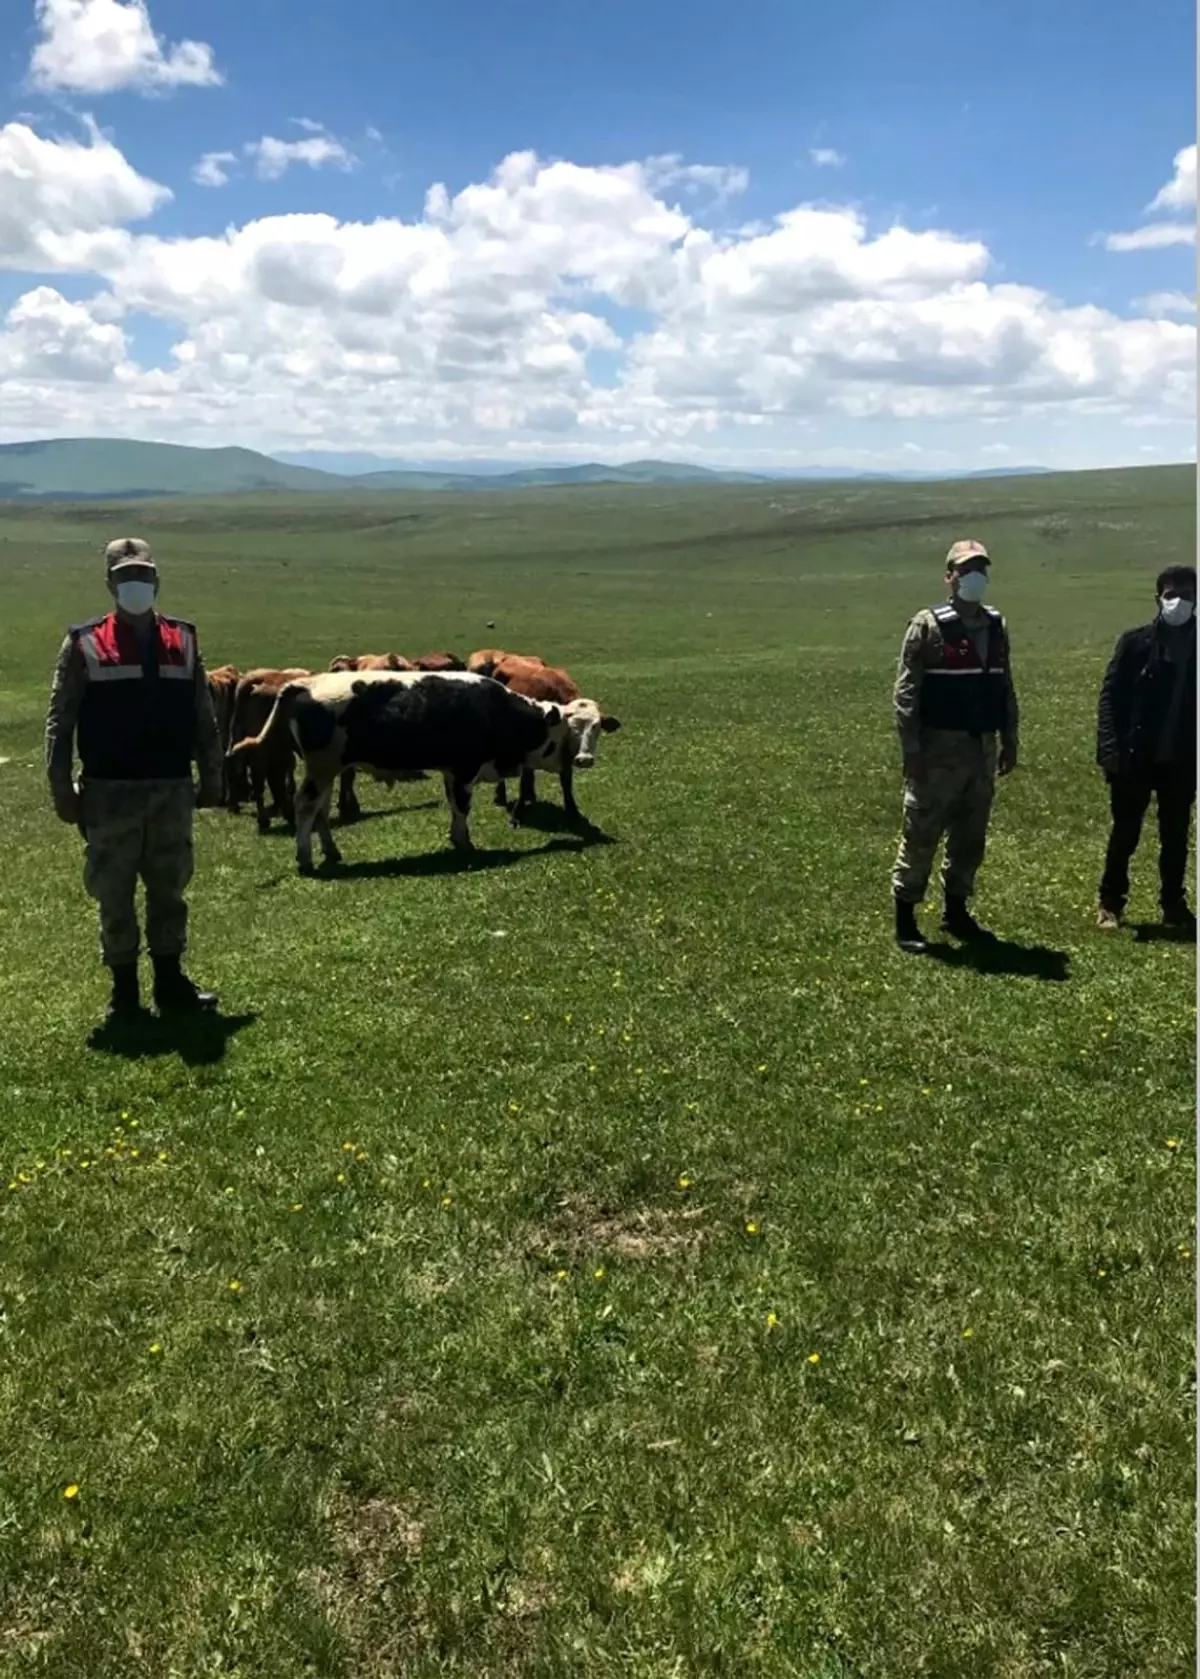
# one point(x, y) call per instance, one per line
point(1175, 788)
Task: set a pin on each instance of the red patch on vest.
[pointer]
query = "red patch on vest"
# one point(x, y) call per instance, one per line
point(116, 642)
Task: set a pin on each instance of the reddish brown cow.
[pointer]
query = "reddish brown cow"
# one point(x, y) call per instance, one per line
point(438, 661)
point(222, 686)
point(274, 767)
point(528, 675)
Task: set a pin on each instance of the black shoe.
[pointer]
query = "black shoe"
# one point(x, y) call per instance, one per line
point(174, 990)
point(960, 923)
point(908, 935)
point(1179, 915)
point(126, 999)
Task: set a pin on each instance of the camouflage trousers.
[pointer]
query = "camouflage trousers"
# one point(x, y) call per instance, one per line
point(953, 800)
point(139, 830)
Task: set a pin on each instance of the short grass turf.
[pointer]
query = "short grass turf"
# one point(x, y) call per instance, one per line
point(611, 1258)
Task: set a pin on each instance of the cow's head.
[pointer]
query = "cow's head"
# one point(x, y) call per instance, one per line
point(585, 724)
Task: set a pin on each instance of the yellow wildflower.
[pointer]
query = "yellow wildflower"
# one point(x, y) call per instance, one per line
point(967, 1334)
point(598, 1272)
point(814, 1358)
point(772, 1320)
point(234, 1286)
point(155, 1347)
point(71, 1492)
point(752, 1228)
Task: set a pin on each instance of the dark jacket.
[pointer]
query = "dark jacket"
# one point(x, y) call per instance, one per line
point(1135, 699)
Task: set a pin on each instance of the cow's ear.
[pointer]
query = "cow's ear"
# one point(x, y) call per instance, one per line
point(554, 716)
point(610, 725)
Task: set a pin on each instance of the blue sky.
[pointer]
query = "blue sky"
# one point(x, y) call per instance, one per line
point(1033, 130)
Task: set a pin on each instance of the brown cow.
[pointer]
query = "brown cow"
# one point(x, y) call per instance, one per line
point(370, 661)
point(528, 675)
point(274, 767)
point(222, 686)
point(438, 661)
point(485, 659)
point(348, 807)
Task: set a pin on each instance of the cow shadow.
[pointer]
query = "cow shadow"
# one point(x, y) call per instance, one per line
point(199, 1039)
point(1002, 956)
point(431, 864)
point(389, 810)
point(553, 819)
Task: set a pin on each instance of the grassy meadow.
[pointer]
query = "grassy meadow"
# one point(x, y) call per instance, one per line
point(612, 1258)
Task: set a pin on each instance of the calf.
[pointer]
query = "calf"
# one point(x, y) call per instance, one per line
point(528, 675)
point(222, 686)
point(349, 809)
point(465, 726)
point(273, 767)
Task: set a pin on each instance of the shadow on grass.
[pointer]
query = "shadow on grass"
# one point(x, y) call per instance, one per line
point(448, 862)
point(391, 810)
point(553, 819)
point(999, 956)
point(1157, 932)
point(198, 1039)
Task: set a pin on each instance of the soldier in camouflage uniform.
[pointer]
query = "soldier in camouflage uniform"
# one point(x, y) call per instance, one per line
point(954, 700)
point(131, 687)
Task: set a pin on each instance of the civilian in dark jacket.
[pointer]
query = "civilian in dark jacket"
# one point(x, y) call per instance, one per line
point(1146, 746)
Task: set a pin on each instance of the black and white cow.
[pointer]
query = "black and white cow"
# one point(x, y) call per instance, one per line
point(394, 722)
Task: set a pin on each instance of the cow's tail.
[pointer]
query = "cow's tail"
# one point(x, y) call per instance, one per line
point(280, 717)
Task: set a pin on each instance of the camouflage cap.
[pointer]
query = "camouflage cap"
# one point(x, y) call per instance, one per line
point(127, 551)
point(961, 552)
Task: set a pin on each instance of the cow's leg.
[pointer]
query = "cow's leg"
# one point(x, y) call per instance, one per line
point(349, 809)
point(526, 796)
point(258, 779)
point(288, 800)
point(329, 847)
point(458, 793)
point(501, 795)
point(566, 776)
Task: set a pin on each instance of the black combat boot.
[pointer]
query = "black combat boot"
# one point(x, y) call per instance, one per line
point(174, 990)
point(126, 999)
point(1178, 914)
point(908, 935)
point(960, 923)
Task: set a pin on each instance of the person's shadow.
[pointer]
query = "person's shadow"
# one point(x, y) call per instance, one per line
point(199, 1039)
point(1158, 932)
point(1000, 956)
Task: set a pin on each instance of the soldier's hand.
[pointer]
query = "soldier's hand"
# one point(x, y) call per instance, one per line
point(1008, 760)
point(68, 807)
point(914, 766)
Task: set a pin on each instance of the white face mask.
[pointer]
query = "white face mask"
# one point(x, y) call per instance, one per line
point(1176, 611)
point(136, 598)
point(973, 586)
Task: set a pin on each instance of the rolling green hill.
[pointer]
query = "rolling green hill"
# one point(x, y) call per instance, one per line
point(92, 468)
point(65, 468)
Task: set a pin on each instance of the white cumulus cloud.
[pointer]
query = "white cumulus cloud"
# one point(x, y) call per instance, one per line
point(213, 169)
point(99, 46)
point(61, 200)
point(825, 157)
point(1166, 303)
point(494, 319)
point(1155, 236)
point(1180, 191)
point(273, 158)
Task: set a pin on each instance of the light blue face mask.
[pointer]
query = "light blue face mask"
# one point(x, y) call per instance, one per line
point(136, 598)
point(972, 587)
point(1176, 611)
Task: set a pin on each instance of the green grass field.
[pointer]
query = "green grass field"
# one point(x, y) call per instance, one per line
point(614, 1260)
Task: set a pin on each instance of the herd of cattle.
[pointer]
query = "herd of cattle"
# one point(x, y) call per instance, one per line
point(488, 718)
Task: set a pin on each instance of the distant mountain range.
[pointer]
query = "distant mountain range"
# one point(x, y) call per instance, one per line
point(102, 468)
